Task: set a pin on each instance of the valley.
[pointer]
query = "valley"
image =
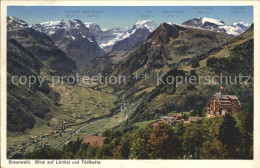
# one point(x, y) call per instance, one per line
point(59, 117)
point(81, 110)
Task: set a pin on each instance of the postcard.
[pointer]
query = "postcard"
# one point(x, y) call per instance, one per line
point(129, 84)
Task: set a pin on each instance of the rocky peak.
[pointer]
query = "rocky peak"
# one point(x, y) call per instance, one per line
point(14, 23)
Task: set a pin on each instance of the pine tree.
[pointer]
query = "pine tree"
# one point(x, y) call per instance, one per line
point(229, 135)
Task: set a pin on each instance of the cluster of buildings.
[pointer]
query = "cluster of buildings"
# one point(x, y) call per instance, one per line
point(171, 118)
point(219, 104)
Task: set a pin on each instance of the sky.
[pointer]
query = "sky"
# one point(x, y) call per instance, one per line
point(122, 16)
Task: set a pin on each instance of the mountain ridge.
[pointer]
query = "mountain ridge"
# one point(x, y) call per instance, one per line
point(235, 29)
point(73, 38)
point(46, 51)
point(232, 58)
point(169, 44)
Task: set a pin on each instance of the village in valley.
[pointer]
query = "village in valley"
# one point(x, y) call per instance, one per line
point(169, 105)
point(78, 115)
point(219, 105)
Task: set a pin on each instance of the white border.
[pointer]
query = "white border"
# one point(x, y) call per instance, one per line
point(139, 163)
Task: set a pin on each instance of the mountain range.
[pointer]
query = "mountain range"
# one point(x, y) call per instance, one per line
point(45, 50)
point(29, 52)
point(108, 37)
point(148, 100)
point(119, 47)
point(73, 38)
point(198, 46)
point(122, 39)
point(120, 42)
point(170, 44)
point(235, 29)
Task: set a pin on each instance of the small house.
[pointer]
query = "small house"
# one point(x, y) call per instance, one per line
point(167, 119)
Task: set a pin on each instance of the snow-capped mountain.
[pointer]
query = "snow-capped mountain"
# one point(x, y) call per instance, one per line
point(135, 35)
point(39, 45)
point(107, 38)
point(14, 23)
point(47, 27)
point(74, 27)
point(235, 29)
point(93, 28)
point(110, 37)
point(72, 37)
point(121, 42)
point(218, 25)
point(145, 24)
